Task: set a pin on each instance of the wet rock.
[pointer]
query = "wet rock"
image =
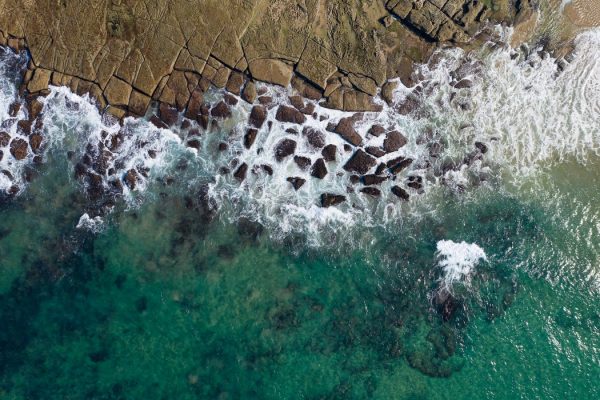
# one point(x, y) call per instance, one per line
point(408, 105)
point(240, 173)
point(292, 131)
point(329, 152)
point(319, 169)
point(235, 82)
point(302, 162)
point(330, 199)
point(397, 165)
point(371, 191)
point(24, 127)
point(463, 83)
point(131, 178)
point(394, 141)
point(168, 114)
point(194, 144)
point(35, 108)
point(415, 182)
point(221, 110)
point(314, 137)
point(289, 114)
point(401, 193)
point(268, 169)
point(297, 102)
point(35, 142)
point(372, 179)
point(19, 148)
point(481, 147)
point(285, 147)
point(229, 99)
point(249, 92)
point(387, 91)
point(376, 130)
point(154, 120)
point(250, 137)
point(360, 162)
point(266, 101)
point(258, 115)
point(223, 146)
point(14, 109)
point(296, 182)
point(4, 139)
point(1, 155)
point(375, 151)
point(345, 128)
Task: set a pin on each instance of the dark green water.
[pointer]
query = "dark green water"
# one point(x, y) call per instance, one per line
point(169, 302)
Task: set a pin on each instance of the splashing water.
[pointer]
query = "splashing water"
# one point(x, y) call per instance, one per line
point(458, 261)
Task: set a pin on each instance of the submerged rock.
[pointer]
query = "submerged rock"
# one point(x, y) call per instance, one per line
point(330, 199)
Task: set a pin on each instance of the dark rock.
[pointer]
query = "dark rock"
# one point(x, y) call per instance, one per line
point(408, 105)
point(329, 152)
point(302, 162)
point(14, 108)
point(4, 139)
point(345, 128)
point(240, 173)
point(24, 127)
point(296, 182)
point(35, 109)
point(463, 83)
point(154, 120)
point(258, 115)
point(131, 178)
point(289, 114)
point(394, 141)
point(268, 169)
point(369, 180)
point(285, 148)
point(249, 92)
point(1, 155)
point(292, 131)
point(314, 137)
point(329, 199)
point(229, 99)
point(380, 168)
point(221, 110)
point(250, 137)
point(194, 143)
point(375, 151)
point(297, 102)
point(360, 162)
point(371, 191)
point(398, 164)
point(168, 114)
point(19, 148)
point(401, 193)
point(202, 121)
point(354, 179)
point(35, 141)
point(265, 100)
point(319, 170)
point(481, 147)
point(415, 182)
point(223, 146)
point(376, 130)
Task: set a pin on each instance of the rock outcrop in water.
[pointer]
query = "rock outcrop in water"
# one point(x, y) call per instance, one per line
point(126, 53)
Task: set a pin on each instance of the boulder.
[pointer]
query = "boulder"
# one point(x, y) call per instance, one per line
point(271, 71)
point(249, 92)
point(329, 152)
point(314, 137)
point(285, 148)
point(330, 199)
point(4, 139)
point(235, 82)
point(168, 114)
point(376, 130)
point(19, 148)
point(240, 173)
point(289, 114)
point(302, 162)
point(319, 170)
point(401, 193)
point(371, 191)
point(250, 137)
point(258, 115)
point(399, 164)
point(221, 110)
point(375, 151)
point(373, 179)
point(360, 162)
point(296, 182)
point(345, 128)
point(35, 142)
point(229, 99)
point(40, 80)
point(131, 178)
point(394, 141)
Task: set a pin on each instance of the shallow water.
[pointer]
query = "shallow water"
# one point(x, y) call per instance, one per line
point(192, 286)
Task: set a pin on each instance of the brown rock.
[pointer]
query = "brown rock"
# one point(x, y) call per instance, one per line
point(195, 104)
point(240, 173)
point(229, 99)
point(375, 151)
point(19, 148)
point(35, 108)
point(4, 139)
point(14, 108)
point(319, 169)
point(387, 91)
point(35, 142)
point(330, 199)
point(24, 126)
point(285, 148)
point(302, 162)
point(329, 152)
point(394, 141)
point(258, 115)
point(289, 114)
point(398, 165)
point(371, 191)
point(117, 92)
point(296, 182)
point(235, 82)
point(250, 137)
point(305, 89)
point(360, 162)
point(249, 93)
point(345, 128)
point(40, 80)
point(401, 193)
point(271, 71)
point(138, 103)
point(168, 114)
point(314, 137)
point(376, 130)
point(221, 110)
point(372, 179)
point(131, 178)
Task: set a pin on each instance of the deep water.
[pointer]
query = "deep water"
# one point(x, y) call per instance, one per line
point(176, 294)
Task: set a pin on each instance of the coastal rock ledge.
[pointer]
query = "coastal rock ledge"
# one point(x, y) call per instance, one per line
point(127, 53)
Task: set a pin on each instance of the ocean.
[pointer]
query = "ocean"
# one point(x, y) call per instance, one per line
point(184, 283)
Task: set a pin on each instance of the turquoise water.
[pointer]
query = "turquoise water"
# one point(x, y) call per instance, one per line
point(172, 298)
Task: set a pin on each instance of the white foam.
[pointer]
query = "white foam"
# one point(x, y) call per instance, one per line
point(94, 225)
point(458, 261)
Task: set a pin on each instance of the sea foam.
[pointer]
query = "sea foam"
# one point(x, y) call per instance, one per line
point(458, 261)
